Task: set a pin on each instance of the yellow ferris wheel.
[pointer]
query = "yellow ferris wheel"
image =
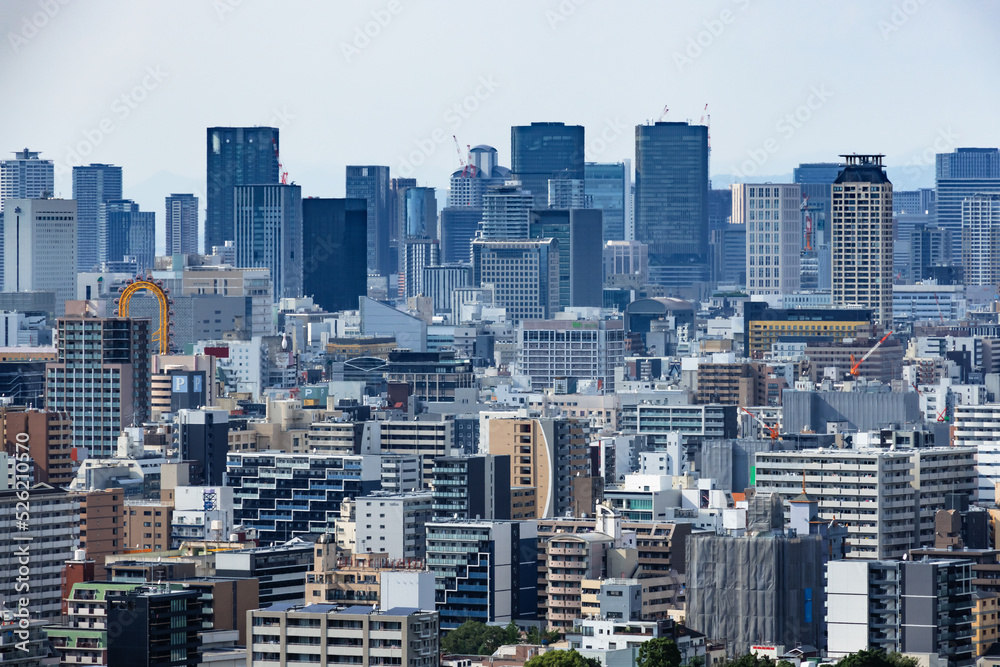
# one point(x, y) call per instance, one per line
point(162, 333)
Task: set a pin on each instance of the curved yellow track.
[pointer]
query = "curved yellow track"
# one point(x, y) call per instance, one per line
point(162, 333)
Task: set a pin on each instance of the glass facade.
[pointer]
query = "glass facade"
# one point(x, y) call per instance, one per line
point(371, 183)
point(671, 200)
point(608, 187)
point(236, 156)
point(541, 151)
point(93, 185)
point(334, 242)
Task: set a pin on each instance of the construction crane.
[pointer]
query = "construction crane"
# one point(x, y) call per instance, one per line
point(916, 388)
point(281, 170)
point(466, 161)
point(807, 208)
point(708, 125)
point(772, 431)
point(855, 365)
point(663, 115)
point(938, 302)
point(943, 415)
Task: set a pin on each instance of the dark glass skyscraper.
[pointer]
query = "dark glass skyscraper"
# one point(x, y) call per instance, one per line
point(541, 151)
point(371, 183)
point(236, 156)
point(578, 232)
point(181, 222)
point(125, 231)
point(671, 200)
point(93, 185)
point(334, 239)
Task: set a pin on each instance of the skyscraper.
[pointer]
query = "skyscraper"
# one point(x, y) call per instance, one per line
point(541, 151)
point(125, 231)
point(981, 240)
point(269, 233)
point(40, 248)
point(334, 246)
point(420, 221)
point(861, 237)
point(236, 156)
point(961, 174)
point(523, 274)
point(469, 184)
point(506, 212)
point(773, 235)
point(397, 217)
point(578, 232)
point(609, 186)
point(371, 183)
point(101, 378)
point(671, 200)
point(181, 221)
point(458, 228)
point(93, 185)
point(26, 177)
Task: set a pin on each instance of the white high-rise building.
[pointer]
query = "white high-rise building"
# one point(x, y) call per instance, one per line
point(981, 239)
point(861, 237)
point(979, 426)
point(771, 212)
point(40, 247)
point(26, 177)
point(506, 212)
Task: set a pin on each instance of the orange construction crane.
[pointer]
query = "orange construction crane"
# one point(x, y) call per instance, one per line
point(281, 170)
point(855, 365)
point(943, 415)
point(940, 314)
point(772, 432)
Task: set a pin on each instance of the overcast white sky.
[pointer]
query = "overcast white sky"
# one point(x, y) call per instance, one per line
point(136, 83)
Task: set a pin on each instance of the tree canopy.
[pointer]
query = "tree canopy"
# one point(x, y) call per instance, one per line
point(659, 652)
point(562, 659)
point(474, 638)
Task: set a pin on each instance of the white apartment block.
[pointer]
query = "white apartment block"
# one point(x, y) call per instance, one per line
point(861, 237)
point(506, 212)
point(549, 350)
point(325, 634)
point(773, 218)
point(393, 523)
point(886, 498)
point(978, 426)
point(981, 240)
point(26, 177)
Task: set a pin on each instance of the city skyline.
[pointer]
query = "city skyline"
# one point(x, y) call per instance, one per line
point(684, 57)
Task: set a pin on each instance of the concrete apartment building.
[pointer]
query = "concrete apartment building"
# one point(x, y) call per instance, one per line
point(393, 523)
point(50, 442)
point(569, 559)
point(425, 438)
point(552, 456)
point(50, 532)
point(328, 634)
point(773, 219)
point(340, 577)
point(909, 607)
point(861, 237)
point(549, 351)
point(147, 524)
point(102, 532)
point(887, 498)
point(979, 426)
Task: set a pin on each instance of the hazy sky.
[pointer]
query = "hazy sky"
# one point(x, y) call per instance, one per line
point(136, 83)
